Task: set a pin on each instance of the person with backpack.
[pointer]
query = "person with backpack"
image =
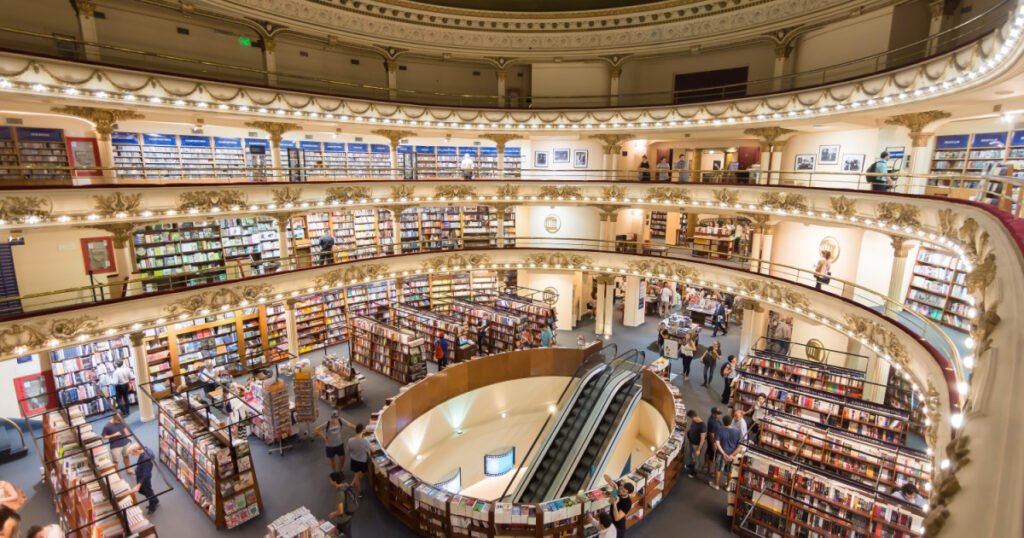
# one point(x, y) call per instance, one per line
point(441, 352)
point(326, 244)
point(729, 373)
point(880, 167)
point(345, 504)
point(709, 359)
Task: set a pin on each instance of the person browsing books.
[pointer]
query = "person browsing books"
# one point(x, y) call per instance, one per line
point(622, 505)
point(604, 524)
point(117, 433)
point(144, 474)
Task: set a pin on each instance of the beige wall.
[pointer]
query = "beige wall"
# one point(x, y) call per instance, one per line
point(560, 171)
point(569, 79)
point(576, 223)
point(831, 45)
point(52, 260)
point(567, 286)
point(796, 244)
point(860, 141)
point(658, 74)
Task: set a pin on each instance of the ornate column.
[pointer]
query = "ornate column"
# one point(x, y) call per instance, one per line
point(768, 138)
point(632, 314)
point(86, 10)
point(753, 320)
point(920, 160)
point(275, 130)
point(612, 149)
point(501, 140)
point(394, 137)
point(396, 232)
point(141, 365)
point(765, 250)
point(757, 240)
point(609, 217)
point(291, 330)
point(270, 60)
point(400, 288)
point(935, 8)
point(901, 248)
point(500, 74)
point(103, 121)
point(604, 312)
point(614, 74)
point(500, 210)
point(783, 52)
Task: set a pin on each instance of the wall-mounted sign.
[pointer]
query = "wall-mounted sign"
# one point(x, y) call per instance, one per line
point(831, 245)
point(952, 141)
point(552, 223)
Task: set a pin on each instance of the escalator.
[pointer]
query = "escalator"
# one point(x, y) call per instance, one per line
point(595, 408)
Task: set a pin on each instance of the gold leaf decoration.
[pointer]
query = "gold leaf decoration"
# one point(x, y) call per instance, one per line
point(201, 303)
point(508, 190)
point(676, 195)
point(207, 200)
point(455, 191)
point(948, 223)
point(560, 191)
point(345, 275)
point(878, 336)
point(986, 323)
point(403, 190)
point(450, 261)
point(557, 260)
point(663, 269)
point(787, 201)
point(945, 485)
point(287, 195)
point(726, 196)
point(347, 193)
point(771, 290)
point(841, 205)
point(15, 337)
point(983, 275)
point(613, 192)
point(14, 208)
point(902, 215)
point(66, 329)
point(117, 203)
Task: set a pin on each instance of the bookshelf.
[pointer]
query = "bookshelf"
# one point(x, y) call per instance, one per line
point(715, 238)
point(479, 227)
point(658, 224)
point(392, 351)
point(430, 326)
point(856, 417)
point(8, 154)
point(535, 314)
point(228, 157)
point(416, 292)
point(77, 371)
point(335, 317)
point(790, 499)
point(487, 163)
point(277, 332)
point(380, 161)
point(45, 148)
point(334, 159)
point(503, 328)
point(513, 161)
point(310, 322)
point(214, 468)
point(358, 160)
point(963, 155)
point(91, 497)
point(447, 162)
point(426, 161)
point(806, 374)
point(370, 300)
point(938, 288)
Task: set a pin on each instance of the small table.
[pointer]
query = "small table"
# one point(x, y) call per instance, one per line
point(337, 391)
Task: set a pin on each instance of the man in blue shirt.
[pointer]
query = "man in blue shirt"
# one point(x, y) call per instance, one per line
point(144, 474)
point(727, 445)
point(545, 336)
point(880, 182)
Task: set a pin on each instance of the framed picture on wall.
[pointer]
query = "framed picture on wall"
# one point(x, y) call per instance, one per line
point(540, 159)
point(98, 255)
point(579, 158)
point(84, 152)
point(560, 155)
point(805, 161)
point(853, 162)
point(828, 154)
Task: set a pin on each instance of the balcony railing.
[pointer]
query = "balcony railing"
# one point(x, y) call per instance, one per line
point(57, 46)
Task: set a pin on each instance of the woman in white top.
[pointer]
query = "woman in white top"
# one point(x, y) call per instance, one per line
point(824, 269)
point(686, 351)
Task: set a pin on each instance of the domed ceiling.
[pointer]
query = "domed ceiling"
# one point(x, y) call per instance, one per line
point(534, 6)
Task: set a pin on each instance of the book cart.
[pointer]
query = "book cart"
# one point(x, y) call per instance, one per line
point(430, 326)
point(90, 496)
point(213, 465)
point(432, 511)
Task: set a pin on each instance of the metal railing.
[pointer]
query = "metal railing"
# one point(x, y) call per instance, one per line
point(65, 47)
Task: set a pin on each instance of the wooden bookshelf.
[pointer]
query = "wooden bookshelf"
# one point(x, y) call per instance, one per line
point(395, 352)
point(430, 326)
point(658, 222)
point(938, 288)
point(503, 328)
point(535, 314)
point(33, 146)
point(77, 371)
point(806, 374)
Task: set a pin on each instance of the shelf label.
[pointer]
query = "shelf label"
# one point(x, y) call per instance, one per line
point(193, 141)
point(357, 148)
point(222, 142)
point(468, 150)
point(512, 151)
point(405, 149)
point(287, 144)
point(1017, 139)
point(39, 134)
point(489, 151)
point(334, 147)
point(952, 142)
point(120, 137)
point(310, 145)
point(989, 140)
point(250, 142)
point(159, 140)
point(424, 150)
point(447, 150)
point(380, 148)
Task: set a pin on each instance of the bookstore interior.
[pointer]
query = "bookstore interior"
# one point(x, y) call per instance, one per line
point(475, 304)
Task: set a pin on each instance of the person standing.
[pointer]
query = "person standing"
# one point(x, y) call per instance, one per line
point(441, 352)
point(739, 423)
point(481, 336)
point(622, 505)
point(341, 517)
point(876, 174)
point(9, 521)
point(823, 269)
point(696, 435)
point(117, 433)
point(466, 166)
point(122, 379)
point(718, 320)
point(144, 475)
point(785, 332)
point(757, 413)
point(727, 445)
point(605, 525)
point(683, 173)
point(359, 451)
point(326, 244)
point(686, 351)
point(645, 169)
point(709, 359)
point(547, 336)
point(729, 374)
point(331, 432)
point(665, 301)
point(714, 424)
point(663, 165)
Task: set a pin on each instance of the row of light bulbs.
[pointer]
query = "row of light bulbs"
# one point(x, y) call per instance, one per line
point(854, 104)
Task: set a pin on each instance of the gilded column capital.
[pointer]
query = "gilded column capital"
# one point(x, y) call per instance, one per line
point(274, 129)
point(501, 139)
point(103, 119)
point(900, 246)
point(608, 211)
point(916, 122)
point(768, 137)
point(936, 8)
point(605, 280)
point(122, 233)
point(612, 142)
point(393, 135)
point(85, 8)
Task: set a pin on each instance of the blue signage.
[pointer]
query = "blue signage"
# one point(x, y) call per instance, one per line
point(249, 142)
point(1017, 139)
point(192, 141)
point(309, 145)
point(159, 140)
point(358, 148)
point(488, 151)
point(447, 150)
point(467, 151)
point(952, 141)
point(989, 140)
point(6, 133)
point(512, 151)
point(404, 149)
point(287, 144)
point(42, 135)
point(222, 142)
point(120, 137)
point(424, 150)
point(380, 148)
point(334, 147)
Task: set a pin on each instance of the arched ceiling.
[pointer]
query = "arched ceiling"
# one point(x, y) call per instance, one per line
point(532, 6)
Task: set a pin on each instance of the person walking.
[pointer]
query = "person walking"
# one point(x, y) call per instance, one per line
point(876, 174)
point(714, 424)
point(645, 169)
point(117, 433)
point(331, 432)
point(729, 374)
point(341, 516)
point(481, 336)
point(823, 269)
point(696, 435)
point(122, 378)
point(359, 451)
point(441, 352)
point(709, 359)
point(144, 474)
point(663, 165)
point(718, 320)
point(686, 351)
point(727, 446)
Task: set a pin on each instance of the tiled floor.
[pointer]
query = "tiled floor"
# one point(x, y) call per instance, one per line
point(299, 476)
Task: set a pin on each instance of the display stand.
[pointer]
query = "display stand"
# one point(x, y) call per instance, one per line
point(338, 383)
point(274, 426)
point(301, 523)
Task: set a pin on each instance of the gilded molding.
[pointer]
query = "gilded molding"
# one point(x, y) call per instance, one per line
point(557, 260)
point(612, 142)
point(726, 196)
point(121, 233)
point(758, 288)
point(760, 221)
point(768, 137)
point(14, 208)
point(117, 203)
point(843, 206)
point(287, 195)
point(560, 191)
point(347, 193)
point(877, 335)
point(393, 136)
point(452, 261)
point(274, 129)
point(402, 190)
point(501, 140)
point(16, 337)
point(916, 122)
point(902, 215)
point(345, 275)
point(508, 190)
point(982, 329)
point(945, 485)
point(205, 302)
point(663, 269)
point(789, 201)
point(103, 119)
point(677, 195)
point(207, 200)
point(454, 191)
point(613, 192)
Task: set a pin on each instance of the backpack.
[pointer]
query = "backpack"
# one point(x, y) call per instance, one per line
point(438, 350)
point(873, 169)
point(351, 501)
